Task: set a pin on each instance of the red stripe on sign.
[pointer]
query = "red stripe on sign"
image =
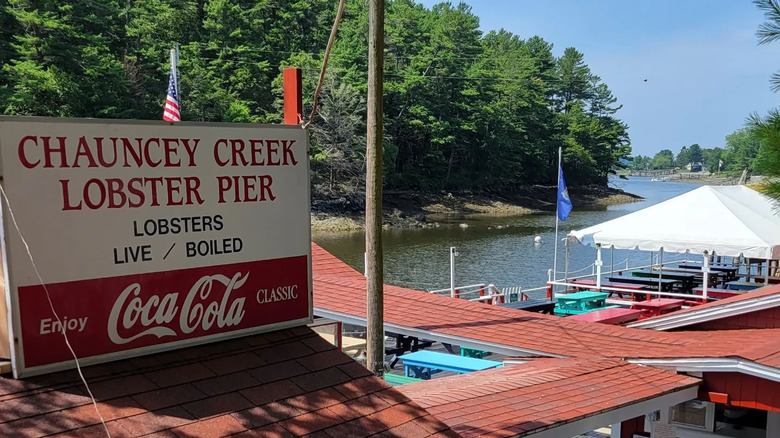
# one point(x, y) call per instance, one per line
point(108, 315)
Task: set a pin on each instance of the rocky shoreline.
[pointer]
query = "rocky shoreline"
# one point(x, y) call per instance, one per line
point(420, 209)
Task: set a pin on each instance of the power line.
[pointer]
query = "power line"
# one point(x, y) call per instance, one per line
point(411, 76)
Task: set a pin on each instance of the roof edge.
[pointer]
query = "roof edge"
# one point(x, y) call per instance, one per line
point(624, 412)
point(712, 364)
point(437, 336)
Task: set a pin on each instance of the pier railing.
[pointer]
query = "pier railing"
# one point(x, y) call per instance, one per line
point(486, 293)
point(489, 293)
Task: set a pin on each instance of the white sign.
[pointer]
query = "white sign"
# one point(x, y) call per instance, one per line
point(149, 234)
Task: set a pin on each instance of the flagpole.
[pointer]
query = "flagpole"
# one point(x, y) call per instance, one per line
point(555, 253)
point(175, 70)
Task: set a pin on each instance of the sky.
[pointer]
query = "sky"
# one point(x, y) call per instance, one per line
point(705, 71)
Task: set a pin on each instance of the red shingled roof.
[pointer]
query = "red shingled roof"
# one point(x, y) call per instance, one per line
point(339, 288)
point(518, 400)
point(285, 383)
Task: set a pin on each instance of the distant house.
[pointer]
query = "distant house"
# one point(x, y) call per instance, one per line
point(695, 166)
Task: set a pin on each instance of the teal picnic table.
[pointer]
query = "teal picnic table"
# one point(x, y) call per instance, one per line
point(743, 285)
point(580, 302)
point(421, 364)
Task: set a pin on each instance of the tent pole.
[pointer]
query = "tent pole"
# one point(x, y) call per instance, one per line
point(705, 272)
point(612, 261)
point(660, 269)
point(766, 277)
point(555, 244)
point(598, 266)
point(566, 262)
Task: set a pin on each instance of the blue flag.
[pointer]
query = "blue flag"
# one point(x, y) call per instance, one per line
point(564, 203)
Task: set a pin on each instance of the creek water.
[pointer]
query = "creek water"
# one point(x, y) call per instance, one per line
point(497, 250)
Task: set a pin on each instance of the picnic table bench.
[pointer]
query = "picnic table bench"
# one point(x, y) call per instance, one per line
point(730, 271)
point(533, 305)
point(614, 316)
point(713, 276)
point(667, 284)
point(396, 379)
point(718, 293)
point(658, 306)
point(422, 364)
point(685, 279)
point(771, 279)
point(743, 285)
point(471, 352)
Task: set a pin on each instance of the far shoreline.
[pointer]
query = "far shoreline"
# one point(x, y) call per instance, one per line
point(410, 209)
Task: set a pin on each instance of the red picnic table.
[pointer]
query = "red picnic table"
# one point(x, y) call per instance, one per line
point(613, 316)
point(658, 306)
point(714, 292)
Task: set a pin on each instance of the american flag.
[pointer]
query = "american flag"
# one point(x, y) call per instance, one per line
point(171, 111)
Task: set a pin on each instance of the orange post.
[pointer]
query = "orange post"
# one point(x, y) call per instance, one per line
point(293, 96)
point(549, 291)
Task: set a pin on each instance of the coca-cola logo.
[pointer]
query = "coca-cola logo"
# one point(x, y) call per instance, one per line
point(201, 309)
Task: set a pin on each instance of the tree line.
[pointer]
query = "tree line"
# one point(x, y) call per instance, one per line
point(464, 109)
point(742, 151)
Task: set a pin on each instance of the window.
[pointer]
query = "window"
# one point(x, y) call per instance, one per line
point(694, 414)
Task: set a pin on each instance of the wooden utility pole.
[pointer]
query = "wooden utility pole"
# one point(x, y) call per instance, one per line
point(375, 339)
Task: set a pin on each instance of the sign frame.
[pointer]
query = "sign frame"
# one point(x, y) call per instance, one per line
point(8, 228)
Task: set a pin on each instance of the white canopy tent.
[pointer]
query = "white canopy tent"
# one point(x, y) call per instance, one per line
point(727, 220)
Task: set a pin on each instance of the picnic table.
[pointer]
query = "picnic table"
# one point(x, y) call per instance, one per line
point(685, 279)
point(658, 306)
point(533, 305)
point(713, 276)
point(422, 364)
point(772, 279)
point(614, 316)
point(730, 271)
point(667, 284)
point(743, 285)
point(395, 379)
point(592, 285)
point(718, 293)
point(580, 302)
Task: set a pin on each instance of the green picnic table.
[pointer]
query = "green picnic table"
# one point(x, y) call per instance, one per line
point(580, 302)
point(686, 279)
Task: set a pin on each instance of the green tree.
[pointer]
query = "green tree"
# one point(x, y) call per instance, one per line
point(575, 78)
point(60, 61)
point(768, 161)
point(640, 162)
point(713, 159)
point(338, 141)
point(664, 159)
point(683, 157)
point(769, 31)
point(741, 149)
point(464, 110)
point(695, 153)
